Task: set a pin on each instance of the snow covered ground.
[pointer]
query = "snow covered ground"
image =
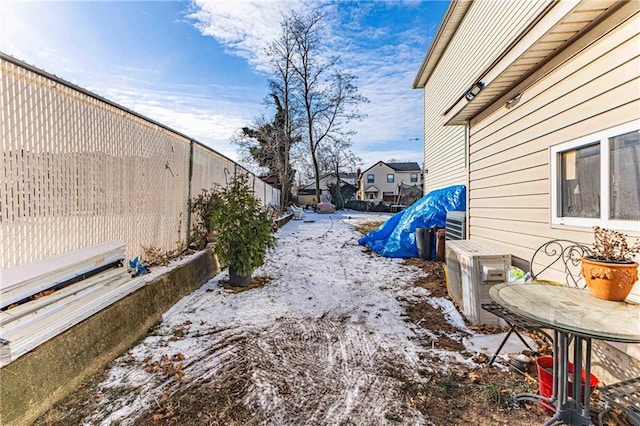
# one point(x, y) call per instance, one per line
point(324, 342)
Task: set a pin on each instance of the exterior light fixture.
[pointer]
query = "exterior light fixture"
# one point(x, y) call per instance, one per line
point(474, 90)
point(513, 101)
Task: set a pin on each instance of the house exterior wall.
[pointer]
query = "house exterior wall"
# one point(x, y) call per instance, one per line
point(379, 172)
point(509, 158)
point(593, 88)
point(307, 200)
point(470, 52)
point(325, 181)
point(588, 85)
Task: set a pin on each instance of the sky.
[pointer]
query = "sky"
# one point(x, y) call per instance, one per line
point(316, 348)
point(199, 67)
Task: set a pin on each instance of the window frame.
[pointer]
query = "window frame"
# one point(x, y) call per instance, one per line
point(555, 169)
point(372, 176)
point(393, 178)
point(411, 177)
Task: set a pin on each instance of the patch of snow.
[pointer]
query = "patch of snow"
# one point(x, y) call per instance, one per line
point(329, 325)
point(487, 344)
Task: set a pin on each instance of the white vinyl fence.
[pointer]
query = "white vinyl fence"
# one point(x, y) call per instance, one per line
point(79, 170)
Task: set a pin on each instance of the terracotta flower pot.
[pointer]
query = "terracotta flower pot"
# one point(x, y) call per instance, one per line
point(609, 280)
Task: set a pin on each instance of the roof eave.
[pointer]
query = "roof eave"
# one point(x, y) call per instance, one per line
point(465, 110)
point(446, 30)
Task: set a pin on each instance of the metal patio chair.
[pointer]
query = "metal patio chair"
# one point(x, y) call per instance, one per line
point(625, 396)
point(566, 254)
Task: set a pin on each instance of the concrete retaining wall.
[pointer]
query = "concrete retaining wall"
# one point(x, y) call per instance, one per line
point(32, 384)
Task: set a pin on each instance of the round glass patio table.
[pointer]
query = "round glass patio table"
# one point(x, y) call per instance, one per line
point(575, 317)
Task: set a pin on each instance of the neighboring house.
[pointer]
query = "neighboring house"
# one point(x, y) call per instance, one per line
point(535, 107)
point(383, 181)
point(307, 193)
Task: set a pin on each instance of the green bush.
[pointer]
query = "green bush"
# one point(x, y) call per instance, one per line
point(203, 208)
point(243, 229)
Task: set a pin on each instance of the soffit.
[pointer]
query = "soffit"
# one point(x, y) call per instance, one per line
point(562, 34)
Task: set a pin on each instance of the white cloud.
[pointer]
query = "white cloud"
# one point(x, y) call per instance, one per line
point(383, 58)
point(385, 73)
point(245, 28)
point(208, 120)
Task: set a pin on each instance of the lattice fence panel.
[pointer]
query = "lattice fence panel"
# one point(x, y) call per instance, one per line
point(78, 171)
point(211, 169)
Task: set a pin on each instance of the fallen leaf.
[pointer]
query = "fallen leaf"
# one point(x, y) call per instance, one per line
point(475, 377)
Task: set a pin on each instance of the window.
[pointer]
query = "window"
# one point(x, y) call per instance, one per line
point(370, 178)
point(596, 180)
point(390, 178)
point(414, 177)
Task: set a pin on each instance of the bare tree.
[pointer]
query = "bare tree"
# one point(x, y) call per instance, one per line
point(269, 144)
point(312, 96)
point(327, 95)
point(281, 53)
point(338, 156)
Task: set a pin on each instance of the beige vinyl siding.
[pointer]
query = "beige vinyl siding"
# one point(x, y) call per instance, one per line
point(595, 89)
point(467, 56)
point(481, 38)
point(444, 158)
point(600, 55)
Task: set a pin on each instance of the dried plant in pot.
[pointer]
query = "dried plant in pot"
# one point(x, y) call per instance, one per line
point(610, 271)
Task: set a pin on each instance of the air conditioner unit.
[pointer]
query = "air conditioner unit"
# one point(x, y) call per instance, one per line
point(456, 225)
point(472, 269)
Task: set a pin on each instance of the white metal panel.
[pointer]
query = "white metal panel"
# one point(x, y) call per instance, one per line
point(23, 281)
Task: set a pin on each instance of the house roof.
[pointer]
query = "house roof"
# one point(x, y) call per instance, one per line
point(345, 177)
point(372, 188)
point(343, 182)
point(404, 167)
point(307, 191)
point(271, 180)
point(502, 82)
point(398, 167)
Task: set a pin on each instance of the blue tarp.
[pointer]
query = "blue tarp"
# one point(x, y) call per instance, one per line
point(397, 237)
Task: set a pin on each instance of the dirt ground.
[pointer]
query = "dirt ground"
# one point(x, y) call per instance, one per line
point(453, 396)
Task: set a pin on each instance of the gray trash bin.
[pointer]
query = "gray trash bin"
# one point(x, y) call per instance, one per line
point(424, 241)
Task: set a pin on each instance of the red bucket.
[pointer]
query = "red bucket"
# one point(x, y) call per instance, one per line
point(545, 381)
